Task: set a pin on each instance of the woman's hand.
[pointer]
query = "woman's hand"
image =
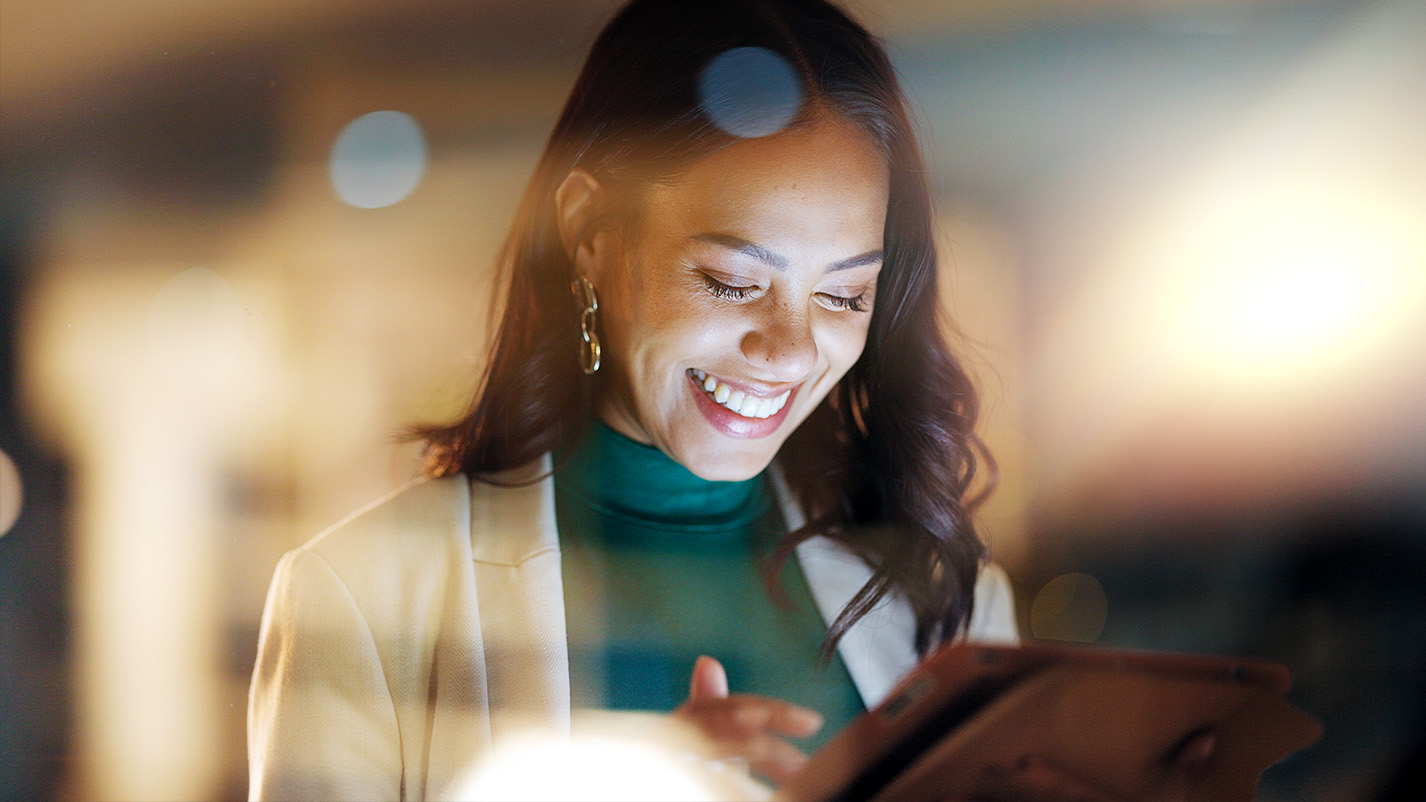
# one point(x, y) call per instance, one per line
point(745, 726)
point(1035, 779)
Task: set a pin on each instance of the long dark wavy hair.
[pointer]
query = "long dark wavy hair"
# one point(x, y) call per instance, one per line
point(886, 463)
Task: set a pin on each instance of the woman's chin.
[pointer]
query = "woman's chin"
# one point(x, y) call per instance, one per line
point(730, 463)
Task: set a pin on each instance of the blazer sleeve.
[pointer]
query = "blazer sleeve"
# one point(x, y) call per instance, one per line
point(321, 723)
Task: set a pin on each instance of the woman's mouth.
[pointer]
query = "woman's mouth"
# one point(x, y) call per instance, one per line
point(738, 412)
point(737, 401)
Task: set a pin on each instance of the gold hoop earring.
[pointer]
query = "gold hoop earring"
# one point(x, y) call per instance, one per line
point(588, 321)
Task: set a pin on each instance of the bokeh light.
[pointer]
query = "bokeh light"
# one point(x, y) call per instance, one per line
point(1071, 607)
point(378, 159)
point(11, 493)
point(192, 303)
point(749, 91)
point(196, 330)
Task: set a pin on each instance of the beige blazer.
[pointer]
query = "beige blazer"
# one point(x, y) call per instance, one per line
point(402, 645)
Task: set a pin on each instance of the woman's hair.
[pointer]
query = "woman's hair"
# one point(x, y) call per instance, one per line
point(885, 464)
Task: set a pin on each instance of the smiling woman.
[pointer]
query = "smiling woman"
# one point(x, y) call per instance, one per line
point(741, 436)
point(752, 272)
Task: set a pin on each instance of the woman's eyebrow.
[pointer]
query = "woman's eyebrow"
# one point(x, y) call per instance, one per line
point(741, 245)
point(868, 258)
point(768, 257)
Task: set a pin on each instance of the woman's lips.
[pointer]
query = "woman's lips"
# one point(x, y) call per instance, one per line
point(765, 413)
point(744, 403)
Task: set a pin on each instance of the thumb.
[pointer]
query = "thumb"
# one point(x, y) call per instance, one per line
point(710, 681)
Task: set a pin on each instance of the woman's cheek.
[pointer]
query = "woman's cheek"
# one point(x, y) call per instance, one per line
point(709, 330)
point(845, 337)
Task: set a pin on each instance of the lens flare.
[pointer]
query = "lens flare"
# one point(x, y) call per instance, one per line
point(749, 91)
point(11, 494)
point(378, 159)
point(1072, 607)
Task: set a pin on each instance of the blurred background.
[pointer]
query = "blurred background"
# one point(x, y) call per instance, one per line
point(243, 244)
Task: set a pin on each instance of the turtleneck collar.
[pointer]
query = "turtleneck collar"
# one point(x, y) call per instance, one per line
point(628, 480)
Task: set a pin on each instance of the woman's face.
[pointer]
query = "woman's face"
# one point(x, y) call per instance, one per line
point(743, 297)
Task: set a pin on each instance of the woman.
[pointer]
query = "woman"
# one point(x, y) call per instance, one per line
point(744, 436)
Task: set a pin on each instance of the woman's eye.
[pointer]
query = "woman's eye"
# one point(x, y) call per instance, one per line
point(726, 291)
point(856, 303)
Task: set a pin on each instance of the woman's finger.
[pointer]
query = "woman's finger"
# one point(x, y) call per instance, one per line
point(1194, 753)
point(793, 720)
point(773, 758)
point(746, 726)
point(1034, 779)
point(1187, 763)
point(710, 680)
point(746, 715)
point(737, 728)
point(767, 756)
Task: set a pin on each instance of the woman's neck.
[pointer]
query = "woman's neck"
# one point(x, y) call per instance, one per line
point(625, 478)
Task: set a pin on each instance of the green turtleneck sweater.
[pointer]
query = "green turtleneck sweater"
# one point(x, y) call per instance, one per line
point(661, 566)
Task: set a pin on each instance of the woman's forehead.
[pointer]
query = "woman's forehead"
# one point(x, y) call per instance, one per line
point(828, 175)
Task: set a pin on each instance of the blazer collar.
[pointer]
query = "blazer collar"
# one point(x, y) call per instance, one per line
point(512, 514)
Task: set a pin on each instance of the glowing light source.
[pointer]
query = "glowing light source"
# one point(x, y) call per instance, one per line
point(11, 494)
point(749, 91)
point(589, 769)
point(378, 159)
point(1300, 281)
point(1254, 326)
point(1071, 607)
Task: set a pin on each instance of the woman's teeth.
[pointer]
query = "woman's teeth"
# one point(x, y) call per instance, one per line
point(736, 401)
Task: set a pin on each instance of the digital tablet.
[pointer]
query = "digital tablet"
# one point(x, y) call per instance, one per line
point(1113, 719)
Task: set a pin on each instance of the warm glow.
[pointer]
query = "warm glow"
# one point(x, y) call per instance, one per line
point(590, 769)
point(1292, 282)
point(1250, 325)
point(1254, 309)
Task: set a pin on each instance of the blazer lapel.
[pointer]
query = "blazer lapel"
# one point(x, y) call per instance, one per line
point(515, 551)
point(879, 649)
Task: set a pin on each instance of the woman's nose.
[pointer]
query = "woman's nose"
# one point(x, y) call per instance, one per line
point(782, 343)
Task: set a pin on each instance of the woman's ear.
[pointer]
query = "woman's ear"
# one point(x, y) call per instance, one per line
point(578, 202)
